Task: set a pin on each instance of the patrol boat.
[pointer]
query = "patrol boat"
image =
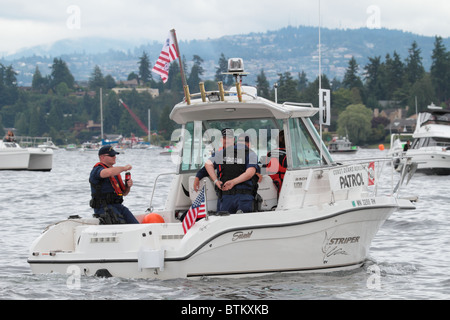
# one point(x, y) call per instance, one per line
point(323, 219)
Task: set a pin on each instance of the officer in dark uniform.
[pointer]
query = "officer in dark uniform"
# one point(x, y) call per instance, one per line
point(227, 141)
point(237, 180)
point(108, 189)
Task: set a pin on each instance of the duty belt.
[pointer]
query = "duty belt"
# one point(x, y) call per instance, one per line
point(237, 191)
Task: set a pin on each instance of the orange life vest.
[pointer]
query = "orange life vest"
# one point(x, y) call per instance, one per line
point(276, 168)
point(116, 181)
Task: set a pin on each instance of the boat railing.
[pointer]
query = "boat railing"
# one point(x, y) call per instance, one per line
point(150, 208)
point(407, 172)
point(26, 141)
point(216, 95)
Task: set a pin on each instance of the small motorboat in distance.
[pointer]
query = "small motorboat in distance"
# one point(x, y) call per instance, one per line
point(323, 219)
point(341, 145)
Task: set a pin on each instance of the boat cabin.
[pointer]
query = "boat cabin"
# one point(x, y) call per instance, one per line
point(204, 115)
point(433, 130)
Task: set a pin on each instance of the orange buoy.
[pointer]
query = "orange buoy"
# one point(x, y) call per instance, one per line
point(381, 147)
point(153, 218)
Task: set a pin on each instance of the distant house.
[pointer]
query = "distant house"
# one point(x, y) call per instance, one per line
point(91, 126)
point(398, 122)
point(128, 83)
point(402, 125)
point(82, 93)
point(153, 92)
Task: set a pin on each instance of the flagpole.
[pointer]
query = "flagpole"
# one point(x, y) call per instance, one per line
point(183, 78)
point(320, 86)
point(206, 201)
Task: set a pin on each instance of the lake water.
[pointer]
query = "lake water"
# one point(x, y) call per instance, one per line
point(409, 256)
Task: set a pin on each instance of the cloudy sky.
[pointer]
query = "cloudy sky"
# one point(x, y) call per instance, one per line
point(25, 23)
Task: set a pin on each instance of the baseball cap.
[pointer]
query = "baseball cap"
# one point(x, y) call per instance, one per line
point(107, 150)
point(243, 137)
point(227, 132)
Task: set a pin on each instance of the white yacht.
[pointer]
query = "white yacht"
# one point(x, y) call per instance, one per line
point(324, 218)
point(14, 157)
point(431, 146)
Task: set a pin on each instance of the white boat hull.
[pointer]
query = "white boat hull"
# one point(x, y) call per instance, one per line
point(431, 160)
point(36, 159)
point(236, 245)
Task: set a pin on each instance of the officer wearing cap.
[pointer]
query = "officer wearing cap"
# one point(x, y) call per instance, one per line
point(108, 189)
point(227, 141)
point(236, 178)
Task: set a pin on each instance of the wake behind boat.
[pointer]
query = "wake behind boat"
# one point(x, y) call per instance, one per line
point(324, 218)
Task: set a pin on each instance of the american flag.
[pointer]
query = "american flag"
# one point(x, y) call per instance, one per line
point(167, 55)
point(197, 210)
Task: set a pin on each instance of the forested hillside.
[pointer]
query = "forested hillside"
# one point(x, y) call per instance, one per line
point(57, 101)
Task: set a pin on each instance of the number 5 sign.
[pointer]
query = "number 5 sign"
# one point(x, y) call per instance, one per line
point(324, 106)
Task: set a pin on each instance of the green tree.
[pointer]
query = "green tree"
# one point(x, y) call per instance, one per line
point(56, 117)
point(311, 93)
point(356, 121)
point(262, 85)
point(8, 85)
point(440, 70)
point(414, 68)
point(424, 91)
point(174, 81)
point(393, 75)
point(351, 78)
point(302, 81)
point(287, 88)
point(373, 78)
point(109, 82)
point(39, 83)
point(145, 75)
point(96, 79)
point(341, 99)
point(194, 76)
point(133, 76)
point(61, 73)
point(223, 67)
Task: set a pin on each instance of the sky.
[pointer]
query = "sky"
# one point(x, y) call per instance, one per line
point(27, 23)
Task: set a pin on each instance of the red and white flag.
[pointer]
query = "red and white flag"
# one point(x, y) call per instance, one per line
point(167, 55)
point(197, 210)
point(371, 170)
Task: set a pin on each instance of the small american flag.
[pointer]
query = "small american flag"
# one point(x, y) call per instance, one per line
point(197, 210)
point(167, 55)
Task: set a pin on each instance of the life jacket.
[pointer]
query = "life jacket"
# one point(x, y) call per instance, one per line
point(276, 168)
point(116, 181)
point(233, 165)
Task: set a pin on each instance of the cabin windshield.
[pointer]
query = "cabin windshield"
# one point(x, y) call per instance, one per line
point(305, 151)
point(201, 139)
point(431, 142)
point(436, 118)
